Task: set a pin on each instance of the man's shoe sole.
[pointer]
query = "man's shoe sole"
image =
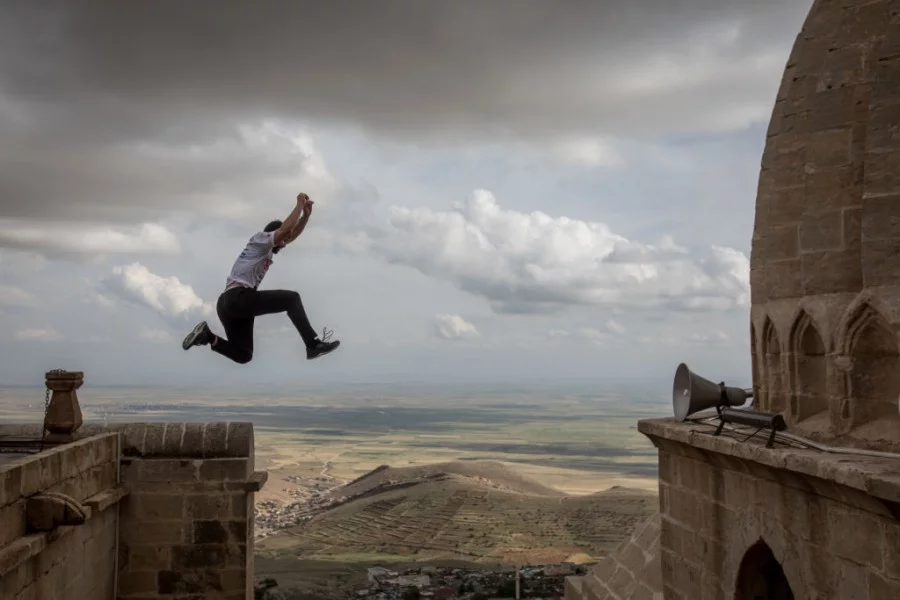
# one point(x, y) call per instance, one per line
point(190, 338)
point(324, 352)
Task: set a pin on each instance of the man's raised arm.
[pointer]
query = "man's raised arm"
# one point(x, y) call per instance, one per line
point(301, 223)
point(290, 223)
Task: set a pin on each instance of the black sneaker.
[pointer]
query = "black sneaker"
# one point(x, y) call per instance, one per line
point(323, 346)
point(199, 336)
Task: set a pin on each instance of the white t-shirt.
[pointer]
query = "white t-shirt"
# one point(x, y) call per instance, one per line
point(253, 263)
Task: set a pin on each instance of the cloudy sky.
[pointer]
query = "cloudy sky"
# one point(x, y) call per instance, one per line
point(508, 190)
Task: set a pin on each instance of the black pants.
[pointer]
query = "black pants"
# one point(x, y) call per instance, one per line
point(238, 308)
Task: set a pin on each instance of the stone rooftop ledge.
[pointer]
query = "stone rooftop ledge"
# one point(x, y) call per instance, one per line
point(181, 440)
point(875, 476)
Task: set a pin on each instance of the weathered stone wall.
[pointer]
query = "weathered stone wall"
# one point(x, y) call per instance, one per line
point(75, 562)
point(830, 521)
point(825, 260)
point(181, 522)
point(187, 523)
point(632, 572)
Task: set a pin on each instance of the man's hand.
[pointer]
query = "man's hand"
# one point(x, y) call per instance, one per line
point(290, 223)
point(304, 204)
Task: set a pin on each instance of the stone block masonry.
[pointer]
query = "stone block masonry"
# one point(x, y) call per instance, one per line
point(734, 512)
point(71, 562)
point(186, 527)
point(825, 250)
point(170, 510)
point(632, 572)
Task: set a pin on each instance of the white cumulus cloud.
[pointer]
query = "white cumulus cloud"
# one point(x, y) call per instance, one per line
point(615, 326)
point(589, 152)
point(13, 296)
point(40, 334)
point(610, 329)
point(171, 299)
point(715, 338)
point(154, 335)
point(454, 327)
point(58, 238)
point(534, 262)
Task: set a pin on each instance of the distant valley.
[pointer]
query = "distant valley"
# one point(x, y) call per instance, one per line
point(483, 512)
point(476, 515)
point(432, 476)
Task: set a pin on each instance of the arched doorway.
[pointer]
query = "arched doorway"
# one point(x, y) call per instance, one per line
point(761, 577)
point(874, 381)
point(775, 396)
point(810, 370)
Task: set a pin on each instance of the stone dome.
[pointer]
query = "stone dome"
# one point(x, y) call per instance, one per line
point(825, 259)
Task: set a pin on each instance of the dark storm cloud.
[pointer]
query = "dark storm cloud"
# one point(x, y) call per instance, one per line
point(85, 86)
point(510, 64)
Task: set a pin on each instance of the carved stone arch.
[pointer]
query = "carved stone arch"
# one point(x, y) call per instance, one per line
point(871, 366)
point(800, 320)
point(865, 303)
point(756, 376)
point(862, 317)
point(808, 357)
point(761, 577)
point(770, 338)
point(805, 313)
point(773, 370)
point(758, 320)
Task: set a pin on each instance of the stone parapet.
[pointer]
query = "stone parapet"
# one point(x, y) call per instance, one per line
point(40, 555)
point(185, 528)
point(187, 525)
point(178, 440)
point(736, 515)
point(835, 475)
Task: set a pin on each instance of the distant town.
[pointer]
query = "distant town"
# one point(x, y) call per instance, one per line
point(309, 498)
point(273, 516)
point(313, 496)
point(537, 582)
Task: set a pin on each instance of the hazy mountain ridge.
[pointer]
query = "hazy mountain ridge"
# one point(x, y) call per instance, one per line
point(483, 512)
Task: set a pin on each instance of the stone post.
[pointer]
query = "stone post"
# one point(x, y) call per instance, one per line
point(186, 528)
point(64, 413)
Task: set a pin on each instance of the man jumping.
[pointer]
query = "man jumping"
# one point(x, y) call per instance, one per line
point(241, 302)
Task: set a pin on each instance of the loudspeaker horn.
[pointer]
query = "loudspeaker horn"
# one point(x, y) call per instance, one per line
point(692, 393)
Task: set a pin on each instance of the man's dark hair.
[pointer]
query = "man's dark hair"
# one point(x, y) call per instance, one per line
point(272, 226)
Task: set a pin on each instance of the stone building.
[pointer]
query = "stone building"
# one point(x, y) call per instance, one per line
point(136, 511)
point(815, 516)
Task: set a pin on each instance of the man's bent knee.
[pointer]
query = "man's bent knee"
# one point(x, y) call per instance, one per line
point(244, 357)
